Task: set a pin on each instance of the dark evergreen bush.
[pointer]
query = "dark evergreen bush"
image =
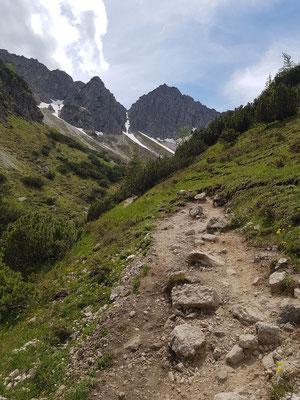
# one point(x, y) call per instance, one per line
point(14, 292)
point(35, 239)
point(33, 181)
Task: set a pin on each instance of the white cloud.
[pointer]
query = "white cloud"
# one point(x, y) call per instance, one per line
point(77, 28)
point(247, 83)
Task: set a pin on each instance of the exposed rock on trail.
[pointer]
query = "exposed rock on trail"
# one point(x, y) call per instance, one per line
point(167, 346)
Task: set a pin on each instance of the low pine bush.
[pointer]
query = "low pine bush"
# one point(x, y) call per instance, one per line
point(35, 239)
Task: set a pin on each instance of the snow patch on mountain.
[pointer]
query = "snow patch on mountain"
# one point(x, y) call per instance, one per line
point(157, 142)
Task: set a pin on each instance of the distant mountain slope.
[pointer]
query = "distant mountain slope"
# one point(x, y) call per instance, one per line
point(44, 84)
point(161, 112)
point(94, 108)
point(15, 97)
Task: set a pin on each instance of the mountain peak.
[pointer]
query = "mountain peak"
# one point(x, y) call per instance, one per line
point(165, 109)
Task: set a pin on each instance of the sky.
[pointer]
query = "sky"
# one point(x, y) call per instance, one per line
point(220, 52)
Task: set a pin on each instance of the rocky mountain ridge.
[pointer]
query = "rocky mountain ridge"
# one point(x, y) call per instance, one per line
point(161, 112)
point(15, 97)
point(44, 84)
point(93, 107)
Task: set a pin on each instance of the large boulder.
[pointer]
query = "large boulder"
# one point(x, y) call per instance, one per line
point(187, 341)
point(205, 259)
point(276, 281)
point(196, 212)
point(247, 315)
point(290, 312)
point(216, 224)
point(235, 355)
point(195, 297)
point(267, 333)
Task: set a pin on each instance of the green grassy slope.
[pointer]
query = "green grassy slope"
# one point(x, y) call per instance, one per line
point(258, 178)
point(35, 154)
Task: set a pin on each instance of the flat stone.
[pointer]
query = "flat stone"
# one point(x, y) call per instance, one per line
point(276, 280)
point(133, 344)
point(195, 297)
point(248, 342)
point(187, 340)
point(201, 197)
point(235, 355)
point(267, 333)
point(208, 237)
point(268, 361)
point(247, 315)
point(205, 259)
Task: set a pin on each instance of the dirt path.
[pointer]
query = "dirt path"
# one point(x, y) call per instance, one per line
point(151, 371)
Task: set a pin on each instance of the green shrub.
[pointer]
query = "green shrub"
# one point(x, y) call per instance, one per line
point(35, 239)
point(3, 178)
point(45, 150)
point(8, 214)
point(50, 175)
point(14, 292)
point(33, 181)
point(99, 207)
point(106, 361)
point(59, 334)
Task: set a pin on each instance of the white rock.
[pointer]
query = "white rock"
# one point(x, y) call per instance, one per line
point(275, 281)
point(14, 373)
point(201, 197)
point(187, 340)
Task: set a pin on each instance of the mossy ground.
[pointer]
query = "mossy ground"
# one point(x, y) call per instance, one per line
point(258, 177)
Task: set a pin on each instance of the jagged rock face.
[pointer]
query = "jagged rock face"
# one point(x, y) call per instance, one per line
point(44, 84)
point(94, 107)
point(161, 112)
point(15, 97)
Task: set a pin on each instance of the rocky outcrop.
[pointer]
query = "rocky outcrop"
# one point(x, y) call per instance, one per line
point(16, 97)
point(44, 84)
point(95, 108)
point(161, 112)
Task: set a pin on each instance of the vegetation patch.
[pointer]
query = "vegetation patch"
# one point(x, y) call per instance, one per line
point(106, 361)
point(138, 279)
